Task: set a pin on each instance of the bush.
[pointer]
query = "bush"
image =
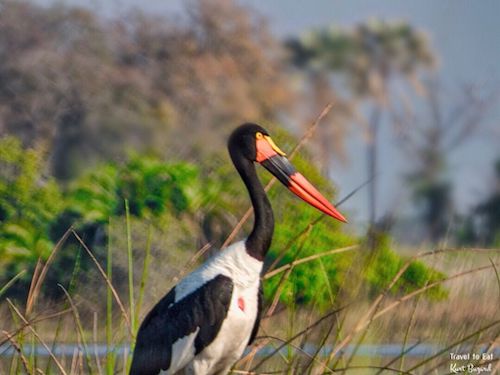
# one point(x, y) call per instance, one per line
point(385, 263)
point(35, 214)
point(321, 280)
point(30, 202)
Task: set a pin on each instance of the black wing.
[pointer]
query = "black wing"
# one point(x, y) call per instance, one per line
point(260, 297)
point(167, 322)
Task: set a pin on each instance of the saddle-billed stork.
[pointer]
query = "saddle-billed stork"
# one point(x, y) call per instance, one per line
point(204, 323)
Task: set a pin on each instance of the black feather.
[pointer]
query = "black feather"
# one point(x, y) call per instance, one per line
point(255, 329)
point(205, 308)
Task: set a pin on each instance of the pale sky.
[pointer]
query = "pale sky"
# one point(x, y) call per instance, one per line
point(466, 36)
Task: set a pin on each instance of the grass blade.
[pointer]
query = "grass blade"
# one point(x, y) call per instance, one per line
point(110, 354)
point(308, 259)
point(56, 361)
point(81, 332)
point(39, 277)
point(108, 282)
point(130, 272)
point(458, 342)
point(144, 275)
point(19, 351)
point(11, 282)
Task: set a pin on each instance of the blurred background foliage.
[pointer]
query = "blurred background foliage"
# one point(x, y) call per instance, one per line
point(159, 192)
point(96, 111)
point(138, 82)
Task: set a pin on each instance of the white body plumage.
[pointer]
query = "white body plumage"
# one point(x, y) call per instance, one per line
point(218, 357)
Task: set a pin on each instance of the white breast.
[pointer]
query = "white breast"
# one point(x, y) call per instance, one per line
point(233, 262)
point(233, 336)
point(235, 332)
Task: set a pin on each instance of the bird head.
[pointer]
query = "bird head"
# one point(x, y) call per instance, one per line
point(255, 144)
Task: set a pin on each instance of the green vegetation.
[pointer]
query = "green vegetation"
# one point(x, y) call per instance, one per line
point(30, 203)
point(385, 264)
point(37, 212)
point(112, 145)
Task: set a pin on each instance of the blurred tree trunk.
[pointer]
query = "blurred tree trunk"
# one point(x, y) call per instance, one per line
point(489, 213)
point(371, 163)
point(429, 143)
point(67, 141)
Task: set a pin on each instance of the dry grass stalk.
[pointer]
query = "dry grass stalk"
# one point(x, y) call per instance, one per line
point(34, 321)
point(427, 287)
point(380, 368)
point(296, 262)
point(96, 354)
point(277, 294)
point(79, 326)
point(372, 313)
point(34, 279)
point(108, 282)
point(452, 345)
point(399, 357)
point(54, 358)
point(19, 351)
point(299, 334)
point(74, 361)
point(313, 358)
point(72, 369)
point(366, 321)
point(40, 273)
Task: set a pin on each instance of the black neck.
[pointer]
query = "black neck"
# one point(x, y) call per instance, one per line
point(259, 240)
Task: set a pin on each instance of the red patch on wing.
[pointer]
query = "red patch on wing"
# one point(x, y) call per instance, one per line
point(241, 304)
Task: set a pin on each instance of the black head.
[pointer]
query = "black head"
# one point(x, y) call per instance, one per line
point(242, 140)
point(251, 143)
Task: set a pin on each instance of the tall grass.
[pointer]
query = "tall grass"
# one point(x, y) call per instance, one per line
point(314, 343)
point(110, 350)
point(293, 340)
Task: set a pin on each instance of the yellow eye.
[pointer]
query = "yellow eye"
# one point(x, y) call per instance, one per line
point(259, 135)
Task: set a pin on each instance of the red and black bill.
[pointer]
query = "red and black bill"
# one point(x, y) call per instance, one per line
point(274, 160)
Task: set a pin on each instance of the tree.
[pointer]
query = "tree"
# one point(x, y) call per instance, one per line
point(365, 60)
point(89, 89)
point(30, 202)
point(489, 213)
point(430, 141)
